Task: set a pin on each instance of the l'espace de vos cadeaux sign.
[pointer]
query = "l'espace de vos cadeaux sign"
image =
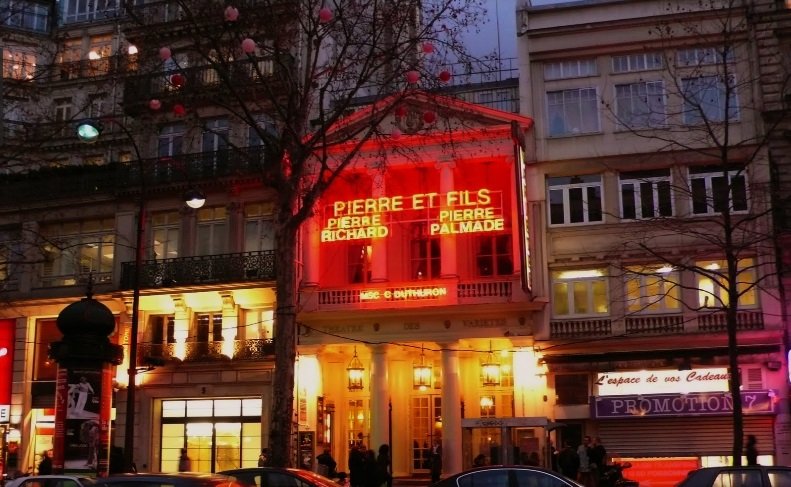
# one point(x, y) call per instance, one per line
point(662, 381)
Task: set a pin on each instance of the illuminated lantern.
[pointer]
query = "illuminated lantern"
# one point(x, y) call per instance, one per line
point(395, 134)
point(429, 117)
point(231, 13)
point(400, 111)
point(444, 76)
point(155, 104)
point(412, 77)
point(325, 15)
point(164, 53)
point(248, 46)
point(177, 80)
point(179, 110)
point(428, 47)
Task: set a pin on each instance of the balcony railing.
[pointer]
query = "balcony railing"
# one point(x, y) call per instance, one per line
point(656, 324)
point(194, 351)
point(87, 69)
point(417, 294)
point(125, 178)
point(196, 82)
point(204, 269)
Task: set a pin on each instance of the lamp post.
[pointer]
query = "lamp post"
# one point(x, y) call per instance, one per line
point(88, 131)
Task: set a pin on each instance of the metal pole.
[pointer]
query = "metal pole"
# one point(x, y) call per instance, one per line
point(2, 99)
point(129, 431)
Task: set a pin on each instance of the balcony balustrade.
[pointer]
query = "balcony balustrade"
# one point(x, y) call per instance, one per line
point(207, 351)
point(199, 270)
point(86, 69)
point(196, 83)
point(656, 324)
point(416, 294)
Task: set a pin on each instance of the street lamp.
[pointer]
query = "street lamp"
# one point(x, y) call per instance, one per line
point(88, 131)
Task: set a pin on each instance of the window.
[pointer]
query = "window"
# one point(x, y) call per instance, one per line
point(646, 194)
point(575, 68)
point(76, 250)
point(573, 112)
point(171, 140)
point(715, 190)
point(214, 145)
point(485, 478)
point(493, 256)
point(738, 478)
point(44, 368)
point(259, 228)
point(640, 105)
point(581, 292)
point(162, 332)
point(571, 389)
point(259, 323)
point(165, 234)
point(18, 65)
point(779, 478)
point(652, 288)
point(10, 258)
point(359, 262)
point(700, 56)
point(644, 61)
point(424, 253)
point(488, 407)
point(576, 199)
point(209, 328)
point(84, 10)
point(25, 15)
point(212, 231)
point(535, 478)
point(256, 139)
point(712, 283)
point(709, 99)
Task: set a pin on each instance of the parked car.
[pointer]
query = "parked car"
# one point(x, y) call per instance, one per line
point(182, 479)
point(758, 476)
point(278, 477)
point(51, 481)
point(507, 476)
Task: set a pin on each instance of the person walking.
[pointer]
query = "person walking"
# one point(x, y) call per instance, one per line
point(584, 472)
point(751, 451)
point(45, 466)
point(436, 461)
point(185, 464)
point(383, 466)
point(356, 464)
point(598, 460)
point(263, 458)
point(568, 461)
point(327, 464)
point(370, 469)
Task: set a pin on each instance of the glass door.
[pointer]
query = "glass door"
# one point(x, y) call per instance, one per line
point(425, 427)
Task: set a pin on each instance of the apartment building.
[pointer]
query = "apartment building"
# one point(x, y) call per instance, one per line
point(408, 333)
point(647, 127)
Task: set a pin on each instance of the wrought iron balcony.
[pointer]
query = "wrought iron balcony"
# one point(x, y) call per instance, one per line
point(204, 269)
point(195, 351)
point(197, 82)
point(87, 69)
point(125, 178)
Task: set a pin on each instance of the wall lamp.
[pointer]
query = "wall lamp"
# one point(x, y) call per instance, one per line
point(354, 373)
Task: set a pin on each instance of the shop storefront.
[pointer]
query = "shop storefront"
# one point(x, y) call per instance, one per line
point(653, 417)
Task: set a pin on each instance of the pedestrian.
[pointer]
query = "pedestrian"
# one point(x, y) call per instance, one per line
point(185, 464)
point(568, 461)
point(327, 464)
point(584, 472)
point(356, 464)
point(479, 461)
point(436, 461)
point(751, 452)
point(383, 466)
point(598, 460)
point(264, 458)
point(370, 469)
point(45, 466)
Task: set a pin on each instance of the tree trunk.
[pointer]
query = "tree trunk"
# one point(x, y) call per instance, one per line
point(285, 338)
point(733, 362)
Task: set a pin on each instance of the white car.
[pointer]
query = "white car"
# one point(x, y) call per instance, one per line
point(51, 481)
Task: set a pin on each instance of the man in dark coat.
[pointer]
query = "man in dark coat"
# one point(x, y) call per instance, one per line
point(568, 461)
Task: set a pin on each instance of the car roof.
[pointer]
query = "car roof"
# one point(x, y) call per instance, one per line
point(165, 476)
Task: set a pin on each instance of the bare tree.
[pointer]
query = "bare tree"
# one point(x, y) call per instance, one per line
point(293, 72)
point(701, 117)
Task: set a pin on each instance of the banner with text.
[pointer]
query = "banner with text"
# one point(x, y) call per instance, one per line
point(693, 404)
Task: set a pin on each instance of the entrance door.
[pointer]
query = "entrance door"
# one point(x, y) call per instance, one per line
point(425, 427)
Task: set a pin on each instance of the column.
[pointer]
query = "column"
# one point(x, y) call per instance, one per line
point(311, 248)
point(451, 411)
point(447, 242)
point(517, 238)
point(181, 325)
point(230, 323)
point(380, 398)
point(378, 245)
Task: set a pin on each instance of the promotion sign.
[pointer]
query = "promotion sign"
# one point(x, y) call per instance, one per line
point(454, 212)
point(713, 379)
point(693, 404)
